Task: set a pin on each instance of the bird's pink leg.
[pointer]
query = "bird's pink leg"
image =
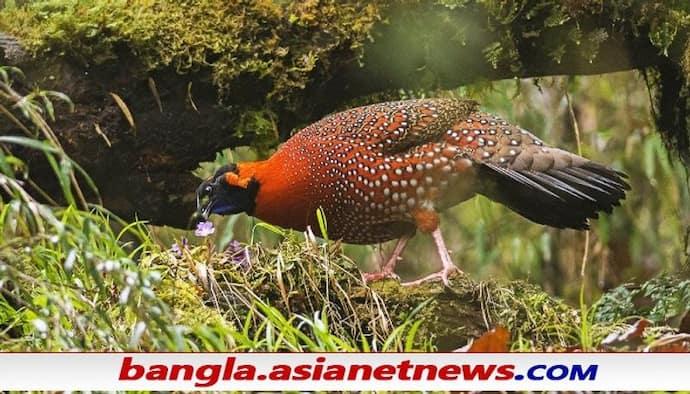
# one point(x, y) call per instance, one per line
point(388, 268)
point(448, 266)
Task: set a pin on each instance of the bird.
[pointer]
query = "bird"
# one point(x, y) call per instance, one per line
point(385, 171)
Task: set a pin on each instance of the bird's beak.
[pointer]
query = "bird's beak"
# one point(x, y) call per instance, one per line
point(203, 208)
point(204, 204)
point(204, 211)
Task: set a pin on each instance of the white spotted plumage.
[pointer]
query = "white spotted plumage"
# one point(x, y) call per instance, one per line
point(386, 160)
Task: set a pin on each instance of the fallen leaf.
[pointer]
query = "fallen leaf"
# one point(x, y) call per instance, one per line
point(673, 343)
point(125, 110)
point(494, 341)
point(632, 337)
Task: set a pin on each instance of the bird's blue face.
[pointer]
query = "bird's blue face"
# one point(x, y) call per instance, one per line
point(209, 200)
point(216, 195)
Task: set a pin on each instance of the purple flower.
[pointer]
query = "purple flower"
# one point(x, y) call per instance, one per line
point(204, 229)
point(177, 249)
point(238, 253)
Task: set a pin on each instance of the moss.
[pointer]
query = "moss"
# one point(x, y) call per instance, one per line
point(302, 278)
point(280, 43)
point(284, 43)
point(187, 307)
point(579, 22)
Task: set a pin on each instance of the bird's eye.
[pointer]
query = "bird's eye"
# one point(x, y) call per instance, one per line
point(208, 189)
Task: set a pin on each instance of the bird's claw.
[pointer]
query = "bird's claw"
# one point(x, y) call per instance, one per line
point(442, 275)
point(383, 274)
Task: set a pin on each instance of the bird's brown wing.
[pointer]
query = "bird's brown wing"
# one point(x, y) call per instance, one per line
point(393, 127)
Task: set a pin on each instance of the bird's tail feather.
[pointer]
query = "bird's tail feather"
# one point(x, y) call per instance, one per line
point(564, 198)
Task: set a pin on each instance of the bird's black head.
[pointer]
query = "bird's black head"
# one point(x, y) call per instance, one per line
point(226, 193)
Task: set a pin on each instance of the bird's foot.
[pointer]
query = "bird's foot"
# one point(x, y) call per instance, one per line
point(387, 271)
point(383, 274)
point(442, 275)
